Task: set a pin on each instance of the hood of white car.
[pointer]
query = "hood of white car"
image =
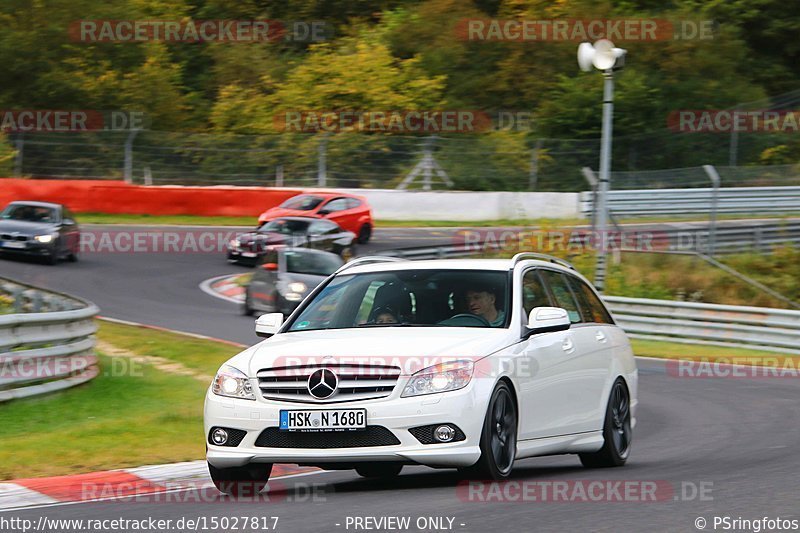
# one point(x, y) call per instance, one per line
point(411, 348)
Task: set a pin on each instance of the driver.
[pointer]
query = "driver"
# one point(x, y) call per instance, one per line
point(481, 301)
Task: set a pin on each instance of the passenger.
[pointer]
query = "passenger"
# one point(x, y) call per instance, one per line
point(385, 315)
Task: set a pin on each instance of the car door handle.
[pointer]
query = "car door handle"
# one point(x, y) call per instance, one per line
point(568, 346)
point(600, 336)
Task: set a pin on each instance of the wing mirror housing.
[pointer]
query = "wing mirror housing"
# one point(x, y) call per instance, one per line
point(547, 319)
point(269, 324)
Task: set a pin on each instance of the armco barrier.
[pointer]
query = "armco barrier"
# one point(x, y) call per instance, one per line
point(762, 328)
point(47, 344)
point(101, 196)
point(733, 200)
point(89, 196)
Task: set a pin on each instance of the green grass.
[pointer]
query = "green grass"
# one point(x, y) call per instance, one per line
point(165, 220)
point(194, 220)
point(130, 415)
point(677, 350)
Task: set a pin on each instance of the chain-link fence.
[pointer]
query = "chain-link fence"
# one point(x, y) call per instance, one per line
point(499, 160)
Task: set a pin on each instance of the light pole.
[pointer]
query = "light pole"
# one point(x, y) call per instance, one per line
point(606, 58)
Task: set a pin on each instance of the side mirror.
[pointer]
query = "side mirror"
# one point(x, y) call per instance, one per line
point(272, 267)
point(546, 319)
point(323, 212)
point(269, 324)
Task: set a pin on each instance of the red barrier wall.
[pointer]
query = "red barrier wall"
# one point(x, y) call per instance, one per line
point(95, 196)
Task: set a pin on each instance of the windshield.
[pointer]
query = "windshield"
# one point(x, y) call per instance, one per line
point(285, 226)
point(437, 298)
point(29, 213)
point(302, 203)
point(308, 262)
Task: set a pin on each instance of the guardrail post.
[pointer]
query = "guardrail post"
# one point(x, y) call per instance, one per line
point(322, 161)
point(712, 228)
point(128, 167)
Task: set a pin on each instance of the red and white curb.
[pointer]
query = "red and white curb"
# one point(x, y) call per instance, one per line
point(116, 484)
point(224, 287)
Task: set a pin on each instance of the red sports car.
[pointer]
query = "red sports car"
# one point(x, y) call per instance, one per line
point(350, 212)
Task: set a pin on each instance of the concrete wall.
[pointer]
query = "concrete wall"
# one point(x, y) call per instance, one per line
point(464, 205)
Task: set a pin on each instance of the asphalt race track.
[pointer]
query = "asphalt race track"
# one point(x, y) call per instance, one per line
point(726, 447)
point(162, 288)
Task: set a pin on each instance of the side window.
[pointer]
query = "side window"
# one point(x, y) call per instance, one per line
point(353, 203)
point(533, 292)
point(562, 294)
point(337, 204)
point(592, 308)
point(321, 227)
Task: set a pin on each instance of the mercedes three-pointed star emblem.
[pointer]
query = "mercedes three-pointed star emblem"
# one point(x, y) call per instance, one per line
point(322, 383)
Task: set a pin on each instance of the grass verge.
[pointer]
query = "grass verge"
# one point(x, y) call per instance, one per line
point(132, 414)
point(702, 352)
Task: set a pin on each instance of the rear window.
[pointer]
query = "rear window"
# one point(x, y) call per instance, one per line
point(303, 262)
point(304, 202)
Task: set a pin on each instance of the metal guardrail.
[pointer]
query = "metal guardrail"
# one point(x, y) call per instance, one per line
point(760, 328)
point(46, 343)
point(733, 200)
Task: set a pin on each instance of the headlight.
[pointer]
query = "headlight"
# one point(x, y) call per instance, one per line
point(234, 243)
point(297, 287)
point(232, 383)
point(44, 239)
point(440, 378)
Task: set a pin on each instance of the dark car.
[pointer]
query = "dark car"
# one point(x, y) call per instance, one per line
point(314, 233)
point(285, 276)
point(350, 211)
point(39, 229)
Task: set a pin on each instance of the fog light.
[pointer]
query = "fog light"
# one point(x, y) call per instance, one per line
point(444, 433)
point(219, 436)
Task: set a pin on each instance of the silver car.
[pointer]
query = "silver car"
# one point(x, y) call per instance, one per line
point(285, 276)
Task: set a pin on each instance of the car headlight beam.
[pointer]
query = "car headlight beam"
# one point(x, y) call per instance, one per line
point(44, 239)
point(232, 383)
point(439, 378)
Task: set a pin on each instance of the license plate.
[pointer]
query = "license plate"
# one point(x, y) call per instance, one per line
point(248, 254)
point(324, 420)
point(13, 244)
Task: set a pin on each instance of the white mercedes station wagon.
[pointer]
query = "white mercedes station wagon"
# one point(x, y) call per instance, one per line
point(453, 363)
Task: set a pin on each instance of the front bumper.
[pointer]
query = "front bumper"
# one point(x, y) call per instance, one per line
point(31, 247)
point(464, 408)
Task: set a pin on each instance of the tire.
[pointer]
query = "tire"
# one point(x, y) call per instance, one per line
point(52, 259)
point(617, 432)
point(246, 480)
point(379, 470)
point(73, 256)
point(364, 234)
point(247, 306)
point(498, 441)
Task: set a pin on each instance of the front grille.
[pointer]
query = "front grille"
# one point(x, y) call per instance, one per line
point(356, 382)
point(9, 237)
point(370, 437)
point(424, 434)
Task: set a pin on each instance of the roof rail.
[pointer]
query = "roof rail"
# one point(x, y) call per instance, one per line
point(541, 257)
point(367, 260)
